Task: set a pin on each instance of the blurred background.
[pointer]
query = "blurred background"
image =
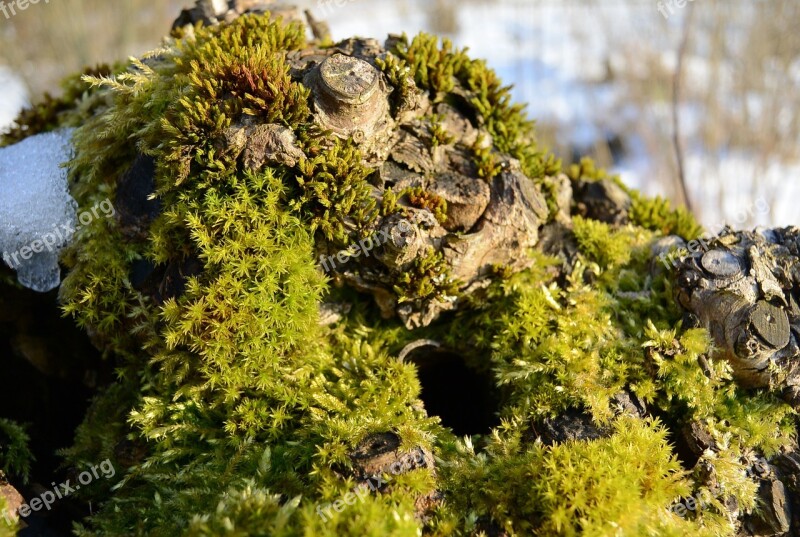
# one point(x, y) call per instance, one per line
point(598, 75)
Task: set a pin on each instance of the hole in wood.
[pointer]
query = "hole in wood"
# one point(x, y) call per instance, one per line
point(466, 400)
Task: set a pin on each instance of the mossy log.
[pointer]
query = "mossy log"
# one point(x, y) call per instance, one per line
point(317, 243)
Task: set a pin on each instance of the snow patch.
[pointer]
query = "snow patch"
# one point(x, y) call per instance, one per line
point(37, 215)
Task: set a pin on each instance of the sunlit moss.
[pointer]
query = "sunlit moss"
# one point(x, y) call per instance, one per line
point(235, 412)
point(78, 102)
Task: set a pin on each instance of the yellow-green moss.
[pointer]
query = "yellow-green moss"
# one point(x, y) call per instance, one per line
point(239, 411)
point(436, 69)
point(77, 103)
point(236, 362)
point(6, 529)
point(613, 486)
point(428, 277)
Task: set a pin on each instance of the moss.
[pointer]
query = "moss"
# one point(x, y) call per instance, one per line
point(335, 195)
point(236, 412)
point(230, 363)
point(657, 215)
point(586, 170)
point(552, 349)
point(171, 105)
point(437, 68)
point(504, 272)
point(15, 464)
point(433, 68)
point(420, 198)
point(574, 346)
point(397, 75)
point(77, 103)
point(599, 243)
point(389, 203)
point(6, 529)
point(15, 456)
point(485, 160)
point(428, 277)
point(439, 133)
point(617, 485)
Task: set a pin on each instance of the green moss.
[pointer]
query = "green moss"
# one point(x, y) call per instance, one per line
point(235, 362)
point(15, 456)
point(552, 348)
point(485, 160)
point(6, 529)
point(334, 194)
point(705, 391)
point(77, 103)
point(235, 412)
point(397, 75)
point(654, 214)
point(429, 277)
point(439, 133)
point(172, 104)
point(599, 243)
point(15, 462)
point(657, 215)
point(389, 202)
point(575, 346)
point(586, 170)
point(612, 486)
point(433, 68)
point(437, 69)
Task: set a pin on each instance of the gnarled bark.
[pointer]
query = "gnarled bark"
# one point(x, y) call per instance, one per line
point(743, 286)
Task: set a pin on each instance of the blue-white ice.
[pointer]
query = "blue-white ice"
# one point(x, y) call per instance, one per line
point(37, 214)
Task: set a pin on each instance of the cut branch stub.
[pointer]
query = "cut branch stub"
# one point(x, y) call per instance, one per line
point(380, 453)
point(349, 80)
point(772, 324)
point(350, 98)
point(721, 263)
point(740, 292)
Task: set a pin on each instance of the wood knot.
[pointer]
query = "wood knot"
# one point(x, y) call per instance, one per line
point(349, 80)
point(721, 263)
point(771, 323)
point(350, 97)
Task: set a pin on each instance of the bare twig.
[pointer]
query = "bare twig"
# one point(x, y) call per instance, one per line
point(676, 95)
